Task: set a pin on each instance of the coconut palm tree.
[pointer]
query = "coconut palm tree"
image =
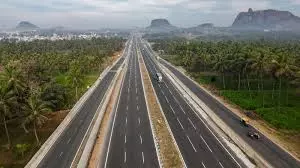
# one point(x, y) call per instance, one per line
point(13, 79)
point(221, 65)
point(33, 110)
point(7, 99)
point(284, 68)
point(259, 65)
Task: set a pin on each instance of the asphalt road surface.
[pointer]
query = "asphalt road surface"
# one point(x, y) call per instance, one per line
point(271, 152)
point(131, 141)
point(266, 148)
point(198, 144)
point(62, 153)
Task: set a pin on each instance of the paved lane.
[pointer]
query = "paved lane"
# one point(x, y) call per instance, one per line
point(132, 144)
point(197, 142)
point(63, 151)
point(266, 148)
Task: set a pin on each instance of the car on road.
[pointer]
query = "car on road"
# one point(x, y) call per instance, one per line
point(253, 135)
point(158, 77)
point(245, 121)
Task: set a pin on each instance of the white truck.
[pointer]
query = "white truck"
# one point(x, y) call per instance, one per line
point(158, 77)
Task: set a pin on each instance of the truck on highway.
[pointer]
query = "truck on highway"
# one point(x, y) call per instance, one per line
point(158, 77)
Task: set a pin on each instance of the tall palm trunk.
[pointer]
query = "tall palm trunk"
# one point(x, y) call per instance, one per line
point(6, 131)
point(35, 134)
point(287, 94)
point(223, 80)
point(262, 90)
point(279, 99)
point(248, 85)
point(76, 92)
point(273, 89)
point(239, 85)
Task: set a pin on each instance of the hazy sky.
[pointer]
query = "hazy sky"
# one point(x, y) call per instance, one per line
point(131, 13)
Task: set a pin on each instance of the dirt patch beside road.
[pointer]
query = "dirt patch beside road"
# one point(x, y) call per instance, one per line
point(170, 156)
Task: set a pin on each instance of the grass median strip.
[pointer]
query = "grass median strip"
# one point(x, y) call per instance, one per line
point(170, 156)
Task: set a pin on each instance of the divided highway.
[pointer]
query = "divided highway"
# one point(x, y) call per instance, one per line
point(131, 141)
point(63, 152)
point(266, 148)
point(273, 154)
point(198, 144)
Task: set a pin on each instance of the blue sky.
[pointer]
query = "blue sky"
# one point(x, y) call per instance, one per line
point(131, 13)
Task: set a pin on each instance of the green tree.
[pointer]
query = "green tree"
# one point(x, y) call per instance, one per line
point(34, 110)
point(260, 63)
point(284, 68)
point(75, 75)
point(7, 100)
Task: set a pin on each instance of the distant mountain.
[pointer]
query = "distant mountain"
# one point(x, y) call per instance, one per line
point(206, 28)
point(25, 25)
point(206, 25)
point(267, 19)
point(160, 25)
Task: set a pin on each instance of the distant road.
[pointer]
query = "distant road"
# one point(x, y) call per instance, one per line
point(64, 149)
point(197, 143)
point(131, 143)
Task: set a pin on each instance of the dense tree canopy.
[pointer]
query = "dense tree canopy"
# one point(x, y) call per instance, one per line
point(257, 75)
point(43, 75)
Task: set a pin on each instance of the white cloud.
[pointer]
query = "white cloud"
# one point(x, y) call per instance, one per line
point(295, 2)
point(130, 13)
point(204, 5)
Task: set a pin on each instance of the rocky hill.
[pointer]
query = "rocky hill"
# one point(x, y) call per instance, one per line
point(267, 19)
point(25, 25)
point(160, 25)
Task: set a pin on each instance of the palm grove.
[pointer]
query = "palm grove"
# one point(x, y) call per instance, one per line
point(261, 76)
point(43, 76)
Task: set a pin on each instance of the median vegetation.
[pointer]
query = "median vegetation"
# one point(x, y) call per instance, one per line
point(39, 82)
point(262, 77)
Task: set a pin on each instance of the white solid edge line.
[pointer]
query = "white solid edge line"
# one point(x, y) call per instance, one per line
point(116, 109)
point(150, 121)
point(166, 121)
point(208, 127)
point(91, 123)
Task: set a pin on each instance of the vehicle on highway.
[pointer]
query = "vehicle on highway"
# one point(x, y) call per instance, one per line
point(253, 135)
point(158, 77)
point(245, 121)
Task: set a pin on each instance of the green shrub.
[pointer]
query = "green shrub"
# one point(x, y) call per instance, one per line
point(21, 149)
point(285, 118)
